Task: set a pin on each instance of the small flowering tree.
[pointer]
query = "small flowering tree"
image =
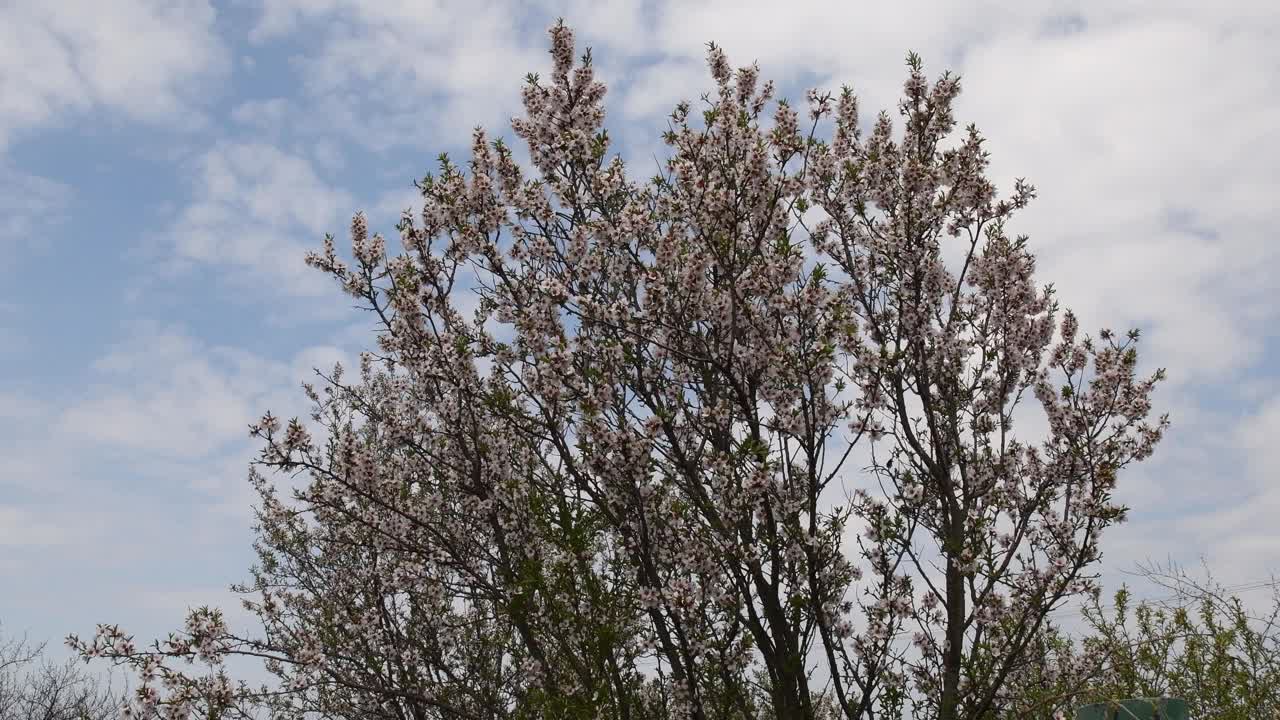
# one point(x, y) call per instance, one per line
point(615, 488)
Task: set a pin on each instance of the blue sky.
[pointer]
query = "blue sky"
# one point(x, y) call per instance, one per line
point(164, 166)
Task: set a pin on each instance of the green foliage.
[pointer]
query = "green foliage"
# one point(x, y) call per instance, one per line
point(1203, 646)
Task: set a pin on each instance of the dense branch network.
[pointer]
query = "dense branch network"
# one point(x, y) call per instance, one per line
point(600, 465)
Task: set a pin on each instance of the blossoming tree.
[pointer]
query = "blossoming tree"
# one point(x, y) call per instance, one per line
point(734, 441)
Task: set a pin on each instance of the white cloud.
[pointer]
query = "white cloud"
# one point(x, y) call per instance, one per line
point(655, 90)
point(17, 406)
point(144, 59)
point(31, 207)
point(391, 205)
point(328, 154)
point(129, 480)
point(1258, 434)
point(19, 528)
point(258, 209)
point(266, 115)
point(393, 73)
point(1155, 203)
point(172, 397)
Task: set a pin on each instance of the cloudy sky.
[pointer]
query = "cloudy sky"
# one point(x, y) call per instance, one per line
point(165, 165)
